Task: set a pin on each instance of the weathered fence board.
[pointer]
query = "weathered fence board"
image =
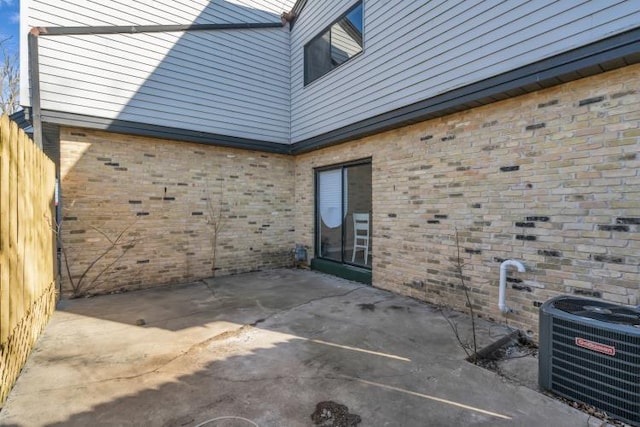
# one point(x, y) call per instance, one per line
point(4, 224)
point(27, 286)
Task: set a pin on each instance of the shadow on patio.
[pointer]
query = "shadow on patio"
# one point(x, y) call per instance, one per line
point(267, 347)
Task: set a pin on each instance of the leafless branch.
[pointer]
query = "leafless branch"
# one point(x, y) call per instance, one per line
point(125, 248)
point(79, 286)
point(465, 288)
point(113, 243)
point(215, 219)
point(10, 77)
point(470, 348)
point(456, 333)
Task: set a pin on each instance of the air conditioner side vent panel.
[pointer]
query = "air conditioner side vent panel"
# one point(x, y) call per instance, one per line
point(587, 359)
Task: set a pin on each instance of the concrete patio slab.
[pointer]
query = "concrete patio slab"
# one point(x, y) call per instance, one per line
point(264, 349)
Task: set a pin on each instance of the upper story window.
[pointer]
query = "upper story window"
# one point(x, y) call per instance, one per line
point(335, 45)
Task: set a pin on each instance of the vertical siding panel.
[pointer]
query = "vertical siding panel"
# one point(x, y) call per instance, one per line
point(22, 225)
point(15, 287)
point(43, 247)
point(37, 224)
point(31, 256)
point(24, 219)
point(4, 229)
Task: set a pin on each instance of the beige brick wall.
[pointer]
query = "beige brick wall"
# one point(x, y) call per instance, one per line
point(155, 195)
point(550, 178)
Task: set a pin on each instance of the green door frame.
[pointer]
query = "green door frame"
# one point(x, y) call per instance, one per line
point(337, 268)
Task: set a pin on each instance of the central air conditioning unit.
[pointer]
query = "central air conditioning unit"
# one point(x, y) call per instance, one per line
point(590, 352)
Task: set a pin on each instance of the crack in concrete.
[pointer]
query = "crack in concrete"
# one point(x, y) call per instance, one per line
point(295, 307)
point(208, 287)
point(202, 344)
point(236, 332)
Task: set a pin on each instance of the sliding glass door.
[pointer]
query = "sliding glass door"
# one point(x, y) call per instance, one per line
point(343, 213)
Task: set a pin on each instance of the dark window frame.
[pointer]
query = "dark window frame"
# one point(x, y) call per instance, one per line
point(327, 29)
point(316, 205)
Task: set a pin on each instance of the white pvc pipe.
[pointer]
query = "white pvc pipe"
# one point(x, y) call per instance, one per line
point(503, 282)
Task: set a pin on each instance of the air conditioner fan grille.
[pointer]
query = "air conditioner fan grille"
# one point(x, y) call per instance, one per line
point(599, 310)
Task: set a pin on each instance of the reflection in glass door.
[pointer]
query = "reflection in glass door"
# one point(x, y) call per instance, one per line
point(343, 214)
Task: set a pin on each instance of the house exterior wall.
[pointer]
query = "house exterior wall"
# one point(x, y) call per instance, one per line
point(144, 210)
point(234, 82)
point(551, 178)
point(416, 50)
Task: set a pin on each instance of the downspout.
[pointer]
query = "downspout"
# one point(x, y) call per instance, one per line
point(34, 62)
point(34, 78)
point(503, 282)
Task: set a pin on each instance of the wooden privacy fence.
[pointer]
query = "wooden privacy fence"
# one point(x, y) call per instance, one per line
point(27, 287)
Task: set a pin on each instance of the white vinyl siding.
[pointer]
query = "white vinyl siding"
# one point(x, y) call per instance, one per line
point(233, 82)
point(250, 83)
point(416, 50)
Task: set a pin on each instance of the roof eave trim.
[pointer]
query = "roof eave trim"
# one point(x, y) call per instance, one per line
point(296, 10)
point(161, 132)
